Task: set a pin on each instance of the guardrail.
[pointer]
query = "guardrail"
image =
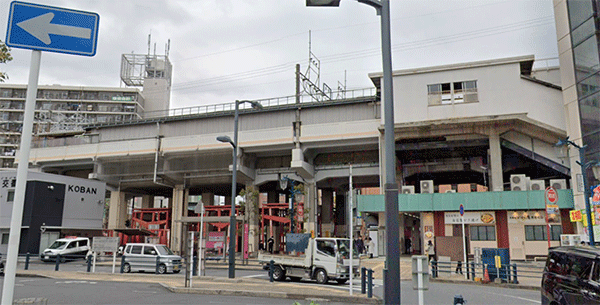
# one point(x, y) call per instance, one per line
point(509, 273)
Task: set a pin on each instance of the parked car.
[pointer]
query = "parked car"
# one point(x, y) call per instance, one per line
point(2, 264)
point(72, 247)
point(571, 276)
point(146, 257)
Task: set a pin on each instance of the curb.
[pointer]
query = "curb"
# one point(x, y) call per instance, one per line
point(503, 285)
point(279, 295)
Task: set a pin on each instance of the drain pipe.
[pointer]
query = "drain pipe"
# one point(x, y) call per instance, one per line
point(158, 142)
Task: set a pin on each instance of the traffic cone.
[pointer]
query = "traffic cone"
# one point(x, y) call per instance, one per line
point(486, 276)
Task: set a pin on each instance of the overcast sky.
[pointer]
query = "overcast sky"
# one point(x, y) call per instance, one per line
point(223, 50)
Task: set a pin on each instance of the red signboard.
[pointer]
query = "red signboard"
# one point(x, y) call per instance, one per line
point(551, 195)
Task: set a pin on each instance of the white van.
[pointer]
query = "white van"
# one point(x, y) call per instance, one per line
point(143, 257)
point(71, 247)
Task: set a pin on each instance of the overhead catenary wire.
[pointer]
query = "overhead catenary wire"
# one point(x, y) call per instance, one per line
point(542, 21)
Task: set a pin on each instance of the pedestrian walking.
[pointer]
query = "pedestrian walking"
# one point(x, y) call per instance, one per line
point(459, 268)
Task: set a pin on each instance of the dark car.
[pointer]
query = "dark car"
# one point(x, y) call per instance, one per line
point(2, 263)
point(571, 276)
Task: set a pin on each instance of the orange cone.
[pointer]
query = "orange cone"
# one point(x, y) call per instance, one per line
point(486, 276)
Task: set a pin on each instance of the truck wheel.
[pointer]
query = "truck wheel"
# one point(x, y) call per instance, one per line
point(341, 281)
point(278, 273)
point(322, 277)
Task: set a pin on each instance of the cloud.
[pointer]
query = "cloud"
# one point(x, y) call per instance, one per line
point(224, 50)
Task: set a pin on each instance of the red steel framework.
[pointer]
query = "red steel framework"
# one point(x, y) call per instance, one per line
point(158, 221)
point(277, 214)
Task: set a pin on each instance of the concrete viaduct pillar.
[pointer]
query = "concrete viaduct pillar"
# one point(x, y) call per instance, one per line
point(327, 212)
point(178, 209)
point(117, 213)
point(147, 201)
point(496, 177)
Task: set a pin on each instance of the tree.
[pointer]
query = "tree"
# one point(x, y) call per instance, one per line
point(4, 58)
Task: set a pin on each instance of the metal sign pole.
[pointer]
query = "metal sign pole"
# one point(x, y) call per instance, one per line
point(200, 265)
point(547, 222)
point(350, 205)
point(464, 245)
point(17, 211)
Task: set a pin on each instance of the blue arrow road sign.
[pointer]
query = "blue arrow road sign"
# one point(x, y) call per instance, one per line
point(54, 29)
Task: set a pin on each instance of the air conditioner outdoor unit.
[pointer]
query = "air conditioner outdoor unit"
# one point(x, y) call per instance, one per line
point(558, 184)
point(426, 186)
point(518, 182)
point(537, 185)
point(408, 189)
point(450, 191)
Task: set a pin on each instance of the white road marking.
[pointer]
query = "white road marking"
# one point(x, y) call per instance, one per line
point(519, 298)
point(256, 275)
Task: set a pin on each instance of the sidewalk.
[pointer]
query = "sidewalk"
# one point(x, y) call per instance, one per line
point(377, 264)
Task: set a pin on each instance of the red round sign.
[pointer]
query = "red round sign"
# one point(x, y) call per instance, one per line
point(551, 195)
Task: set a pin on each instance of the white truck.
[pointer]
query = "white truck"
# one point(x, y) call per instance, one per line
point(324, 259)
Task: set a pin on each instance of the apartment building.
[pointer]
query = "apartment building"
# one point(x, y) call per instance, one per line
point(62, 109)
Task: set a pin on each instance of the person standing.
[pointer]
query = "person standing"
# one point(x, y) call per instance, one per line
point(270, 243)
point(370, 247)
point(359, 244)
point(430, 250)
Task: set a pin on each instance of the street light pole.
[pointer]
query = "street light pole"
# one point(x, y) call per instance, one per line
point(392, 270)
point(234, 143)
point(586, 191)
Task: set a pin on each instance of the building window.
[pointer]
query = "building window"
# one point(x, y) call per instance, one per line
point(452, 93)
point(538, 233)
point(10, 197)
point(479, 233)
point(5, 238)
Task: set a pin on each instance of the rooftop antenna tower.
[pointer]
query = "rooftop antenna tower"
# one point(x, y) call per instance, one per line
point(152, 72)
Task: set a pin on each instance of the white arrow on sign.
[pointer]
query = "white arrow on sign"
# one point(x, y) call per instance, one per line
point(40, 26)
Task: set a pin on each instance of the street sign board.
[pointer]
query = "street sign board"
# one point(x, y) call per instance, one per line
point(462, 210)
point(54, 29)
point(551, 195)
point(105, 244)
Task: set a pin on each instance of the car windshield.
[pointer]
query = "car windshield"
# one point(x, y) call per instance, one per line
point(164, 250)
point(58, 245)
point(344, 246)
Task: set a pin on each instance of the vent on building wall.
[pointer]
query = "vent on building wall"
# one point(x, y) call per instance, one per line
point(518, 182)
point(537, 185)
point(558, 184)
point(426, 186)
point(408, 189)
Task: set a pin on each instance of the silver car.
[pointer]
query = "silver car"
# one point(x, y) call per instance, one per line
point(149, 257)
